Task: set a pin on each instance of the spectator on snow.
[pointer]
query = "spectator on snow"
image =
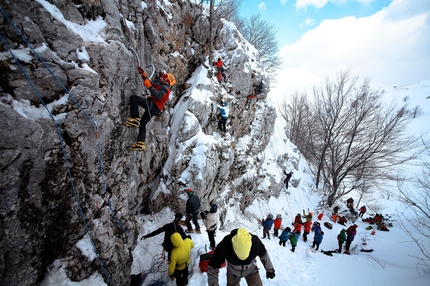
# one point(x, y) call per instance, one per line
point(297, 219)
point(350, 235)
point(168, 230)
point(307, 229)
point(341, 237)
point(153, 106)
point(287, 179)
point(180, 260)
point(210, 220)
point(285, 235)
point(349, 202)
point(267, 225)
point(342, 220)
point(298, 230)
point(224, 116)
point(335, 209)
point(277, 225)
point(362, 211)
point(192, 210)
point(318, 239)
point(240, 248)
point(308, 216)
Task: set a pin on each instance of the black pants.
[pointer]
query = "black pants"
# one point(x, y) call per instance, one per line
point(282, 242)
point(181, 277)
point(315, 244)
point(211, 235)
point(135, 102)
point(340, 246)
point(348, 244)
point(305, 236)
point(221, 124)
point(276, 232)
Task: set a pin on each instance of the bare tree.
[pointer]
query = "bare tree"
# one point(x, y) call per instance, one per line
point(417, 222)
point(295, 112)
point(352, 138)
point(262, 35)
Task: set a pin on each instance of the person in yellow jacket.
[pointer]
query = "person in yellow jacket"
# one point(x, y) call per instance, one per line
point(180, 259)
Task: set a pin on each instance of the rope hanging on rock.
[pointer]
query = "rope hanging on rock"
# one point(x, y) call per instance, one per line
point(62, 144)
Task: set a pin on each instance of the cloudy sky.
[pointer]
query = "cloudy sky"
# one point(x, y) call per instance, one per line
point(386, 40)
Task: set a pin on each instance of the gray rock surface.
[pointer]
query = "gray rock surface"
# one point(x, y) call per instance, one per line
point(42, 209)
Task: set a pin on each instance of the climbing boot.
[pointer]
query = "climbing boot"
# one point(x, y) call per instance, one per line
point(139, 146)
point(189, 230)
point(199, 231)
point(132, 122)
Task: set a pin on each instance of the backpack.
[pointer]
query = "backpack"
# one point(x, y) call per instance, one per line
point(204, 261)
point(328, 225)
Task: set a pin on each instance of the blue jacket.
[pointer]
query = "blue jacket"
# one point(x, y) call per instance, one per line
point(267, 223)
point(318, 237)
point(285, 235)
point(224, 110)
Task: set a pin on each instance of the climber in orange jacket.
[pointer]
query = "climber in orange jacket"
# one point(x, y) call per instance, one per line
point(153, 106)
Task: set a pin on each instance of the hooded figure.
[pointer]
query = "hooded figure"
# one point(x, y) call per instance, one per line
point(350, 235)
point(192, 209)
point(181, 258)
point(240, 248)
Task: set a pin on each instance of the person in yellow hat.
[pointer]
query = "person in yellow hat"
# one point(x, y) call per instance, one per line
point(240, 249)
point(153, 105)
point(180, 259)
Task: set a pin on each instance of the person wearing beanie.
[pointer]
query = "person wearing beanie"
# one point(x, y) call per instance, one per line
point(169, 229)
point(192, 210)
point(210, 219)
point(240, 249)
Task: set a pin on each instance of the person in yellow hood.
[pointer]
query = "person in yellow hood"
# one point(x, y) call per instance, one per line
point(240, 248)
point(180, 259)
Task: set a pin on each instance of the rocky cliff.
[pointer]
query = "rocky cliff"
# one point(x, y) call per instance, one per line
point(67, 69)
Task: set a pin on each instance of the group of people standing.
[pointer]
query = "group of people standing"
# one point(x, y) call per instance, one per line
point(239, 248)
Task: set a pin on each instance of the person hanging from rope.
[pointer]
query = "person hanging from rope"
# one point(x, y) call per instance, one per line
point(219, 66)
point(287, 179)
point(160, 92)
point(224, 116)
point(168, 230)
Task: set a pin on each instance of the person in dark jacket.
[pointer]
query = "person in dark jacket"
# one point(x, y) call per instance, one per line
point(362, 211)
point(192, 210)
point(285, 235)
point(240, 249)
point(267, 225)
point(318, 239)
point(153, 106)
point(350, 235)
point(287, 179)
point(168, 230)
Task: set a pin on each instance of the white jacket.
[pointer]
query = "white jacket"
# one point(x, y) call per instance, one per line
point(211, 221)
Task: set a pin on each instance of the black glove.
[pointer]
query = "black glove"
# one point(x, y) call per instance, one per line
point(270, 275)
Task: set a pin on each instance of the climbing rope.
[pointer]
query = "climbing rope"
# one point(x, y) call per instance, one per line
point(63, 149)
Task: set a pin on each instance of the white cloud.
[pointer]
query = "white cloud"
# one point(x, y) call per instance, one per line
point(308, 22)
point(262, 6)
point(283, 2)
point(391, 47)
point(317, 3)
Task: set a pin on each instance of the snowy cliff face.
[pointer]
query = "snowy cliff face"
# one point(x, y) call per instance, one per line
point(66, 167)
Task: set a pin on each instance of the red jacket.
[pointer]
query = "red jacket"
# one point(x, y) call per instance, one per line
point(218, 64)
point(277, 223)
point(298, 228)
point(160, 93)
point(308, 226)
